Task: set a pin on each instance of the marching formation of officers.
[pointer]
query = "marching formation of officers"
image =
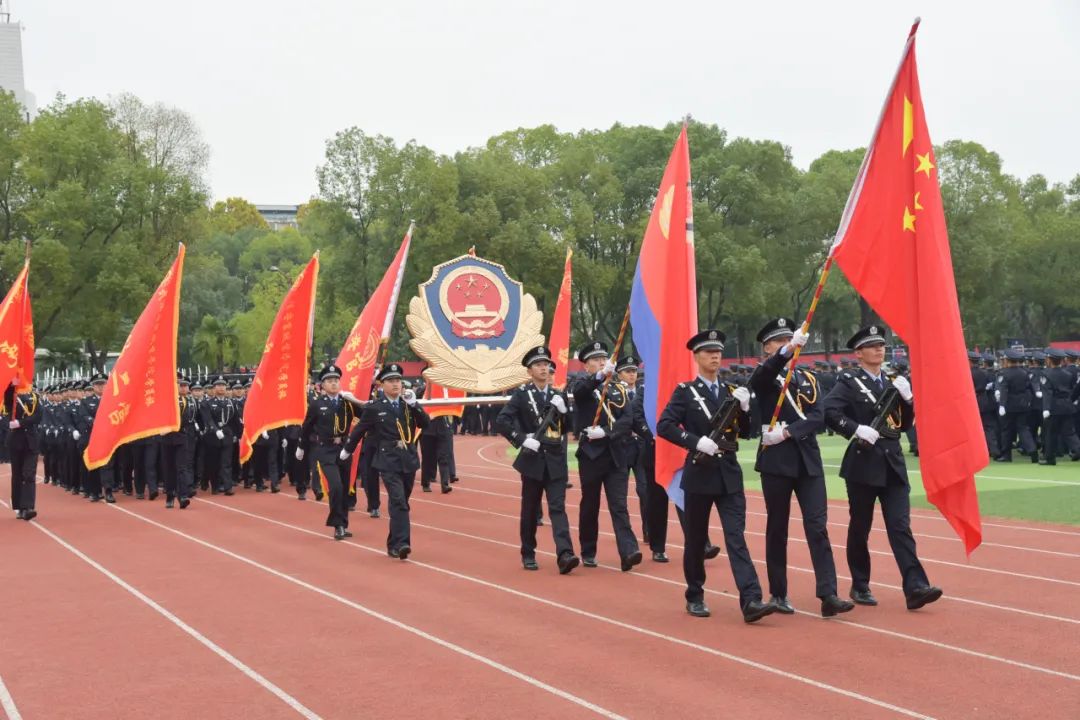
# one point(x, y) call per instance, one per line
point(1032, 400)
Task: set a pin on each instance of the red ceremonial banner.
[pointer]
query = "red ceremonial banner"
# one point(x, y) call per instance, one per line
point(278, 394)
point(17, 334)
point(437, 391)
point(894, 249)
point(559, 340)
point(141, 397)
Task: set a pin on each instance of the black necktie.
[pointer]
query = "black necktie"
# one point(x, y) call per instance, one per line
point(715, 391)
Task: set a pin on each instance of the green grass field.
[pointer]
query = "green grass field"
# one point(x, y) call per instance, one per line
point(1018, 490)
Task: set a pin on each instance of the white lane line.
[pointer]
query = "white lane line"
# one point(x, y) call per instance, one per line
point(577, 611)
point(914, 514)
point(808, 571)
point(384, 618)
point(6, 701)
point(918, 535)
point(884, 553)
point(207, 642)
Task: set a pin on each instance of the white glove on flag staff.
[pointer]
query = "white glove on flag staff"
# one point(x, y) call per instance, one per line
point(743, 396)
point(531, 443)
point(707, 445)
point(867, 433)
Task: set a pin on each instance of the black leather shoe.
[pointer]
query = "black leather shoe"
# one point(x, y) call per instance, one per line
point(631, 560)
point(832, 605)
point(698, 609)
point(169, 504)
point(20, 514)
point(153, 495)
point(339, 533)
point(782, 605)
point(863, 597)
point(318, 497)
point(301, 496)
point(588, 562)
point(569, 484)
point(530, 564)
point(95, 498)
point(374, 513)
point(392, 553)
point(446, 489)
point(568, 562)
point(109, 498)
point(275, 489)
point(660, 557)
point(427, 488)
point(755, 610)
point(260, 488)
point(142, 496)
point(29, 515)
point(404, 551)
point(923, 596)
point(453, 479)
point(229, 492)
point(711, 551)
point(184, 502)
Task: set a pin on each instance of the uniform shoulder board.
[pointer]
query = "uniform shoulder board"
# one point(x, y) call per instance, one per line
point(682, 385)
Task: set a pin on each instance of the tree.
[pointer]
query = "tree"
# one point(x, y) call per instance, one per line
point(215, 343)
point(230, 216)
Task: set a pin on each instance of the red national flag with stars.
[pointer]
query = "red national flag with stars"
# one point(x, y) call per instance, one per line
point(141, 398)
point(278, 394)
point(559, 340)
point(17, 334)
point(894, 249)
point(360, 353)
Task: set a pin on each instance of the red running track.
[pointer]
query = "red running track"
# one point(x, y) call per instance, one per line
point(244, 607)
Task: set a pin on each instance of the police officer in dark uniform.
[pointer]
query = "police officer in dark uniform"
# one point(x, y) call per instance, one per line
point(1059, 432)
point(23, 413)
point(873, 468)
point(601, 454)
point(218, 423)
point(713, 480)
point(627, 371)
point(176, 448)
point(325, 434)
point(541, 460)
point(436, 451)
point(393, 424)
point(100, 480)
point(789, 460)
point(1014, 397)
point(983, 382)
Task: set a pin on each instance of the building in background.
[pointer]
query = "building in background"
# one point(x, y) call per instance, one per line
point(11, 61)
point(279, 216)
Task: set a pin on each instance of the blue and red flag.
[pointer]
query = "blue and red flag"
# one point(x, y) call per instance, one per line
point(663, 305)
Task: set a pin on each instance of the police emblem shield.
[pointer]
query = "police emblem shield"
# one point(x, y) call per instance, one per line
point(473, 324)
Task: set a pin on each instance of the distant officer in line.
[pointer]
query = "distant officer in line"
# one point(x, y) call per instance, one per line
point(1014, 396)
point(542, 457)
point(714, 479)
point(218, 422)
point(176, 448)
point(873, 468)
point(1059, 432)
point(393, 424)
point(789, 460)
point(101, 480)
point(325, 435)
point(602, 456)
point(982, 378)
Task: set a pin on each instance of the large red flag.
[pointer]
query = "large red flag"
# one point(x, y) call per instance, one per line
point(894, 249)
point(278, 395)
point(17, 333)
point(559, 340)
point(435, 391)
point(663, 305)
point(141, 398)
point(361, 350)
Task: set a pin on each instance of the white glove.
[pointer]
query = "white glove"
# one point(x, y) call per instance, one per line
point(284, 443)
point(707, 445)
point(1001, 410)
point(265, 435)
point(75, 434)
point(1038, 394)
point(903, 387)
point(348, 396)
point(609, 367)
point(772, 437)
point(1046, 414)
point(997, 395)
point(13, 425)
point(558, 403)
point(343, 455)
point(595, 432)
point(299, 454)
point(867, 433)
point(743, 396)
point(220, 435)
point(531, 443)
point(799, 338)
point(409, 397)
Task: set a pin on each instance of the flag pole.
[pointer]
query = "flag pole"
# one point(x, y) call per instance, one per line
point(614, 358)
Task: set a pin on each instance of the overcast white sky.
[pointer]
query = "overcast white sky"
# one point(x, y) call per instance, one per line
point(269, 81)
